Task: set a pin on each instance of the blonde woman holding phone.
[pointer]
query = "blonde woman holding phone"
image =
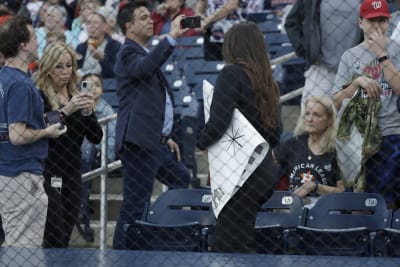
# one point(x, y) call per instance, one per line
point(57, 81)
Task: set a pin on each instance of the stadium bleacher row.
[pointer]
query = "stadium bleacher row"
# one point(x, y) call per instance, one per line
point(345, 224)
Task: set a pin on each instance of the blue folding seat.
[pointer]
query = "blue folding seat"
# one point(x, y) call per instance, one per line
point(258, 17)
point(292, 78)
point(198, 70)
point(269, 26)
point(112, 99)
point(392, 236)
point(109, 85)
point(277, 38)
point(280, 214)
point(279, 50)
point(190, 41)
point(179, 220)
point(342, 224)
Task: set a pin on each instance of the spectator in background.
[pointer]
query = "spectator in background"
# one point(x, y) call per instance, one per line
point(145, 116)
point(113, 3)
point(167, 12)
point(320, 31)
point(55, 37)
point(13, 6)
point(123, 3)
point(56, 16)
point(99, 51)
point(91, 153)
point(57, 81)
point(33, 7)
point(102, 109)
point(309, 158)
point(23, 139)
point(42, 14)
point(245, 83)
point(152, 3)
point(5, 15)
point(78, 28)
point(374, 67)
point(220, 17)
point(393, 30)
point(71, 7)
point(50, 37)
point(110, 14)
point(278, 6)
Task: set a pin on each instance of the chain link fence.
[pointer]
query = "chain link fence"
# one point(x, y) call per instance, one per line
point(321, 200)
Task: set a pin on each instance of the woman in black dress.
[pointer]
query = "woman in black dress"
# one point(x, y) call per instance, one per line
point(245, 83)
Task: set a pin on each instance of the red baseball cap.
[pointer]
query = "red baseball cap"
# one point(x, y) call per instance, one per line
point(374, 8)
point(4, 19)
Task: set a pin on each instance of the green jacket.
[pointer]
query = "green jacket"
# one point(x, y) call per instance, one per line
point(358, 138)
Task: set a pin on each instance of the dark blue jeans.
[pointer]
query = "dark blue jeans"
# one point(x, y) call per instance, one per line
point(139, 168)
point(383, 170)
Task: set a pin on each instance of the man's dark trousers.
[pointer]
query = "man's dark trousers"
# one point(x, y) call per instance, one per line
point(140, 167)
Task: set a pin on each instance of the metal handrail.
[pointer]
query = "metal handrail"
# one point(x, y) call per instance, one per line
point(283, 58)
point(103, 171)
point(106, 167)
point(103, 166)
point(291, 95)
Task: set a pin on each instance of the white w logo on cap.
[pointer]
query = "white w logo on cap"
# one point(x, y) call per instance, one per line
point(377, 4)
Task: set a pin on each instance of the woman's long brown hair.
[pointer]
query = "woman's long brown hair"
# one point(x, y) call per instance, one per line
point(244, 45)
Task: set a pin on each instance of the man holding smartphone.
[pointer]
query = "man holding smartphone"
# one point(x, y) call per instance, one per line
point(23, 139)
point(145, 117)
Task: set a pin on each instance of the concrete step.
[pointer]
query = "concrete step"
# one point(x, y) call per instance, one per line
point(202, 162)
point(114, 185)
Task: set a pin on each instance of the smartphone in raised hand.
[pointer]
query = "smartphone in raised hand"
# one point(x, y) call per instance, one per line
point(86, 86)
point(191, 22)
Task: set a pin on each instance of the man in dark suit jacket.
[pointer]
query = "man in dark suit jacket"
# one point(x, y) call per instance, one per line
point(100, 50)
point(145, 116)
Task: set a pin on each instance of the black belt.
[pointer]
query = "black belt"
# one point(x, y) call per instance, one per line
point(163, 139)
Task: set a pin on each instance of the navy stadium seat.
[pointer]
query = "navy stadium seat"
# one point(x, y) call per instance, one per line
point(112, 99)
point(179, 220)
point(392, 236)
point(280, 214)
point(342, 224)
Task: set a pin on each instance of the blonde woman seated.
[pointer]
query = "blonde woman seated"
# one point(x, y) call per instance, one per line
point(309, 158)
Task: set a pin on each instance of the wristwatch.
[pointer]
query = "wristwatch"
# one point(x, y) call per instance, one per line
point(383, 58)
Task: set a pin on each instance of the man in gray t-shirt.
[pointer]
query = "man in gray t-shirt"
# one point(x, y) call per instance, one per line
point(363, 62)
point(373, 66)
